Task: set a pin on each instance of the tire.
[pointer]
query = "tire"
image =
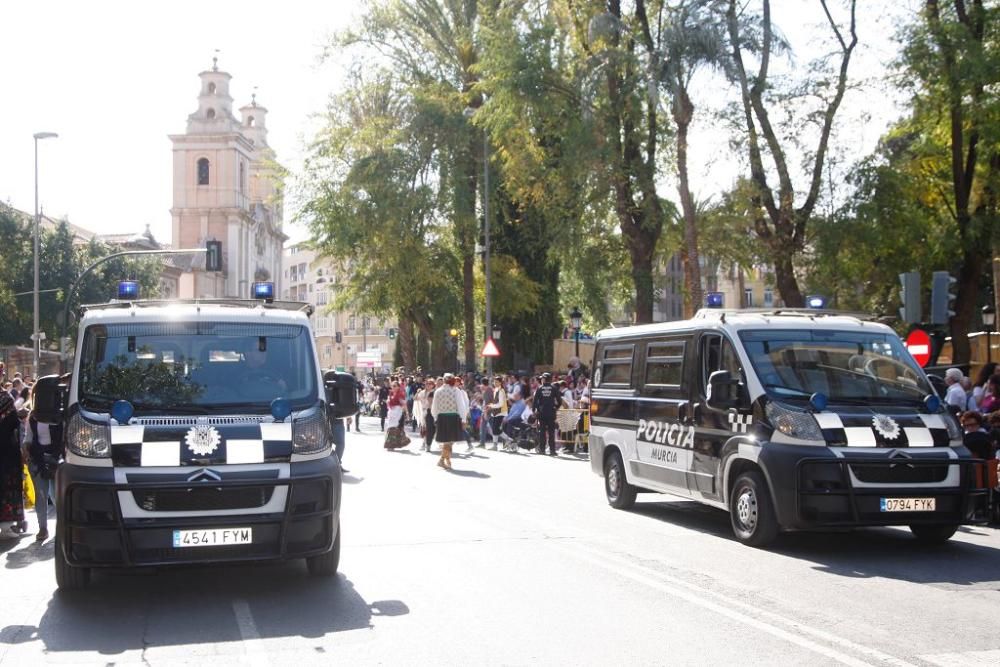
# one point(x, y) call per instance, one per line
point(326, 564)
point(621, 494)
point(933, 533)
point(69, 578)
point(751, 510)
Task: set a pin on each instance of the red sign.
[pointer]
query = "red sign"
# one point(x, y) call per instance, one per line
point(490, 349)
point(919, 345)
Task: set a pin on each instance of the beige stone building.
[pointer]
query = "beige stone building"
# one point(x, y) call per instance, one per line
point(310, 279)
point(226, 187)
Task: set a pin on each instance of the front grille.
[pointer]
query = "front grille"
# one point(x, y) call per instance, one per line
point(899, 473)
point(202, 499)
point(191, 421)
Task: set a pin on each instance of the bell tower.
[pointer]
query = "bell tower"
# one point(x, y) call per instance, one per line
point(224, 190)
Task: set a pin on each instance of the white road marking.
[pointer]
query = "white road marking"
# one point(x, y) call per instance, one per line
point(699, 595)
point(731, 603)
point(252, 643)
point(965, 659)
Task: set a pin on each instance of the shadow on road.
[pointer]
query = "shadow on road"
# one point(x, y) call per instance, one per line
point(469, 473)
point(32, 553)
point(890, 553)
point(193, 605)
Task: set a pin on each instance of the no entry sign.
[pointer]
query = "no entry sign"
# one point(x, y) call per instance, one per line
point(919, 345)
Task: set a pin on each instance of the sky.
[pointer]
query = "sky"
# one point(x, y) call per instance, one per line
point(114, 78)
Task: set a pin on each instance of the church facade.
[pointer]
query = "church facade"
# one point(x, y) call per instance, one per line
point(227, 187)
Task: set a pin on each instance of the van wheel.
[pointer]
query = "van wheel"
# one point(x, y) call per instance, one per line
point(621, 494)
point(933, 533)
point(325, 565)
point(69, 578)
point(751, 510)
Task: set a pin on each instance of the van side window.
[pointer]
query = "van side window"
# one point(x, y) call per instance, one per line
point(616, 365)
point(718, 354)
point(665, 364)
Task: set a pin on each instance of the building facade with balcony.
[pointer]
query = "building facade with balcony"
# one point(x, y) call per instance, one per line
point(308, 278)
point(226, 188)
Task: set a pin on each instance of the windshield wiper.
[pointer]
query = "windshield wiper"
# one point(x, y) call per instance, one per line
point(170, 409)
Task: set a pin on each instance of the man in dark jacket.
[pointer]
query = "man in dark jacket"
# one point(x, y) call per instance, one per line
point(545, 403)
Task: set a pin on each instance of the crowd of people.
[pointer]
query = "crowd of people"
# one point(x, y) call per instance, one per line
point(25, 444)
point(514, 409)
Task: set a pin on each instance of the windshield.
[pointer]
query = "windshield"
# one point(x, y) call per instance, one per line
point(851, 366)
point(197, 367)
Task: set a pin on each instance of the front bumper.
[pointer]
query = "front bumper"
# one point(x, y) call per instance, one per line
point(93, 532)
point(844, 491)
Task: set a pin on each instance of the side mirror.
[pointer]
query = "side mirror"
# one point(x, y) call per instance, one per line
point(49, 399)
point(940, 386)
point(724, 391)
point(341, 394)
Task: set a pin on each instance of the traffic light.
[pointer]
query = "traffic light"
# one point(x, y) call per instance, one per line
point(392, 334)
point(451, 340)
point(910, 296)
point(942, 297)
point(213, 255)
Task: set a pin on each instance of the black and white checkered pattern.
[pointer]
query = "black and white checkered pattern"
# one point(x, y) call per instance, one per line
point(147, 446)
point(740, 423)
point(918, 430)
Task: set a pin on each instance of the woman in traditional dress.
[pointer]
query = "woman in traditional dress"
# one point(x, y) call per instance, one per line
point(394, 435)
point(12, 523)
point(449, 408)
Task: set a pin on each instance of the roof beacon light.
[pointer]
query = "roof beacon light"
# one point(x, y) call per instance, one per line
point(715, 299)
point(128, 290)
point(816, 301)
point(263, 291)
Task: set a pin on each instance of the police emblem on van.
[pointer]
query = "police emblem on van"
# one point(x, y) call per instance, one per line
point(202, 439)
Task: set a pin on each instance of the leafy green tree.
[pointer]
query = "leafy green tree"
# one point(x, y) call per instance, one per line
point(779, 223)
point(950, 61)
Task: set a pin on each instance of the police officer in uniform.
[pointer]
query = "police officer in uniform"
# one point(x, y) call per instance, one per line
point(545, 403)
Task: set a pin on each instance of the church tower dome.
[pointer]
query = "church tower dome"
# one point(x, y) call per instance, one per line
point(215, 105)
point(254, 122)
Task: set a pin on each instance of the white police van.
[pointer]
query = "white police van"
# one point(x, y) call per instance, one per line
point(789, 420)
point(197, 432)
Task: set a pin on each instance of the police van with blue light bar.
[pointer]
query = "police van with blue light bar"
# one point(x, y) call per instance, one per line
point(196, 432)
point(787, 419)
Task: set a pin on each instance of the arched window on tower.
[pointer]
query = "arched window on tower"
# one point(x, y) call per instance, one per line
point(250, 121)
point(211, 113)
point(203, 171)
point(211, 89)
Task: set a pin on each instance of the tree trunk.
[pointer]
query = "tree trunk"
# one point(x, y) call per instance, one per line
point(683, 110)
point(784, 278)
point(642, 275)
point(469, 311)
point(969, 276)
point(407, 343)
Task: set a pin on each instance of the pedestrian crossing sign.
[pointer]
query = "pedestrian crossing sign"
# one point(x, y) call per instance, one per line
point(490, 349)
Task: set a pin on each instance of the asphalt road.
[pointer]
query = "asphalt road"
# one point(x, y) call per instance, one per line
point(517, 559)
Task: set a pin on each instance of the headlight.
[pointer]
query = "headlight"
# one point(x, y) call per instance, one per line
point(310, 434)
point(794, 423)
point(88, 438)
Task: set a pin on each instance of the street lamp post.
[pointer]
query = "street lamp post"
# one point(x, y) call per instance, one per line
point(36, 339)
point(575, 318)
point(989, 316)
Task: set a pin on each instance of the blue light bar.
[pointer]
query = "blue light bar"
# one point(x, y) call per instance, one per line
point(816, 301)
point(715, 299)
point(263, 291)
point(128, 290)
